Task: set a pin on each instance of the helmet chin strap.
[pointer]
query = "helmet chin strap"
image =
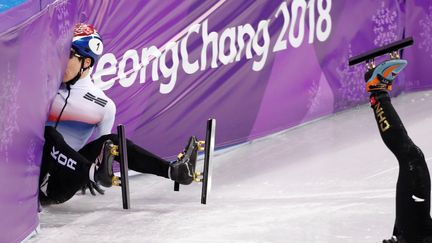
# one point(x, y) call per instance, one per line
point(68, 84)
point(78, 76)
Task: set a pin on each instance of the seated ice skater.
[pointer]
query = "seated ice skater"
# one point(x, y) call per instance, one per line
point(81, 109)
point(413, 223)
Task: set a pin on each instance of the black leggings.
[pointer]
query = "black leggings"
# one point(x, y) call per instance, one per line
point(64, 171)
point(138, 159)
point(413, 187)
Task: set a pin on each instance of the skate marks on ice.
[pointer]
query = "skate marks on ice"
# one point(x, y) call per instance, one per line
point(332, 180)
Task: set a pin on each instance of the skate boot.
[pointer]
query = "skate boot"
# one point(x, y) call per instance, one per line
point(394, 239)
point(381, 77)
point(103, 167)
point(183, 169)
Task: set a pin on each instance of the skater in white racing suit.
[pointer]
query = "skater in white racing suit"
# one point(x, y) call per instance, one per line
point(80, 110)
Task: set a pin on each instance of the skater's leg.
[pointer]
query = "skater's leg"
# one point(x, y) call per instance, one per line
point(390, 125)
point(139, 159)
point(413, 185)
point(64, 171)
point(144, 161)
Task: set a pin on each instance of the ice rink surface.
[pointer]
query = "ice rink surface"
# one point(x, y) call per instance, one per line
point(332, 180)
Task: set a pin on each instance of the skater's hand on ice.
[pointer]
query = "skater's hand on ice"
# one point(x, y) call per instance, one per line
point(92, 186)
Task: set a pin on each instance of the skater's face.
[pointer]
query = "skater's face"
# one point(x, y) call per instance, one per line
point(74, 65)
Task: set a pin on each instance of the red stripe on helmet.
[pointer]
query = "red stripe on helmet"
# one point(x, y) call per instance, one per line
point(83, 30)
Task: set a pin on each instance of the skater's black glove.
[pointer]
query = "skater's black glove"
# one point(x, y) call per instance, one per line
point(92, 186)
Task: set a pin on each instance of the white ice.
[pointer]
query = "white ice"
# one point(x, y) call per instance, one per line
point(332, 180)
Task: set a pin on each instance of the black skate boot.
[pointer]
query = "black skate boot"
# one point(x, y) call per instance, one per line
point(183, 170)
point(103, 172)
point(394, 239)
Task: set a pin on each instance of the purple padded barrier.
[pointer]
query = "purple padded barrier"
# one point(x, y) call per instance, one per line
point(44, 3)
point(419, 25)
point(15, 16)
point(33, 57)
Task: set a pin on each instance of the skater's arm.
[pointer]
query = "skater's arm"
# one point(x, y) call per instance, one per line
point(105, 126)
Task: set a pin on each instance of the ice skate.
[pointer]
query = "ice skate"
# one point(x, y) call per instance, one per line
point(103, 172)
point(381, 77)
point(183, 169)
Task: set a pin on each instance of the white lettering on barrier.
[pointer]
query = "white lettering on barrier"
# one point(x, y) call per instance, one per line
point(228, 36)
point(208, 39)
point(228, 47)
point(101, 71)
point(124, 80)
point(296, 7)
point(169, 72)
point(188, 67)
point(146, 55)
point(261, 50)
point(244, 30)
point(324, 16)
